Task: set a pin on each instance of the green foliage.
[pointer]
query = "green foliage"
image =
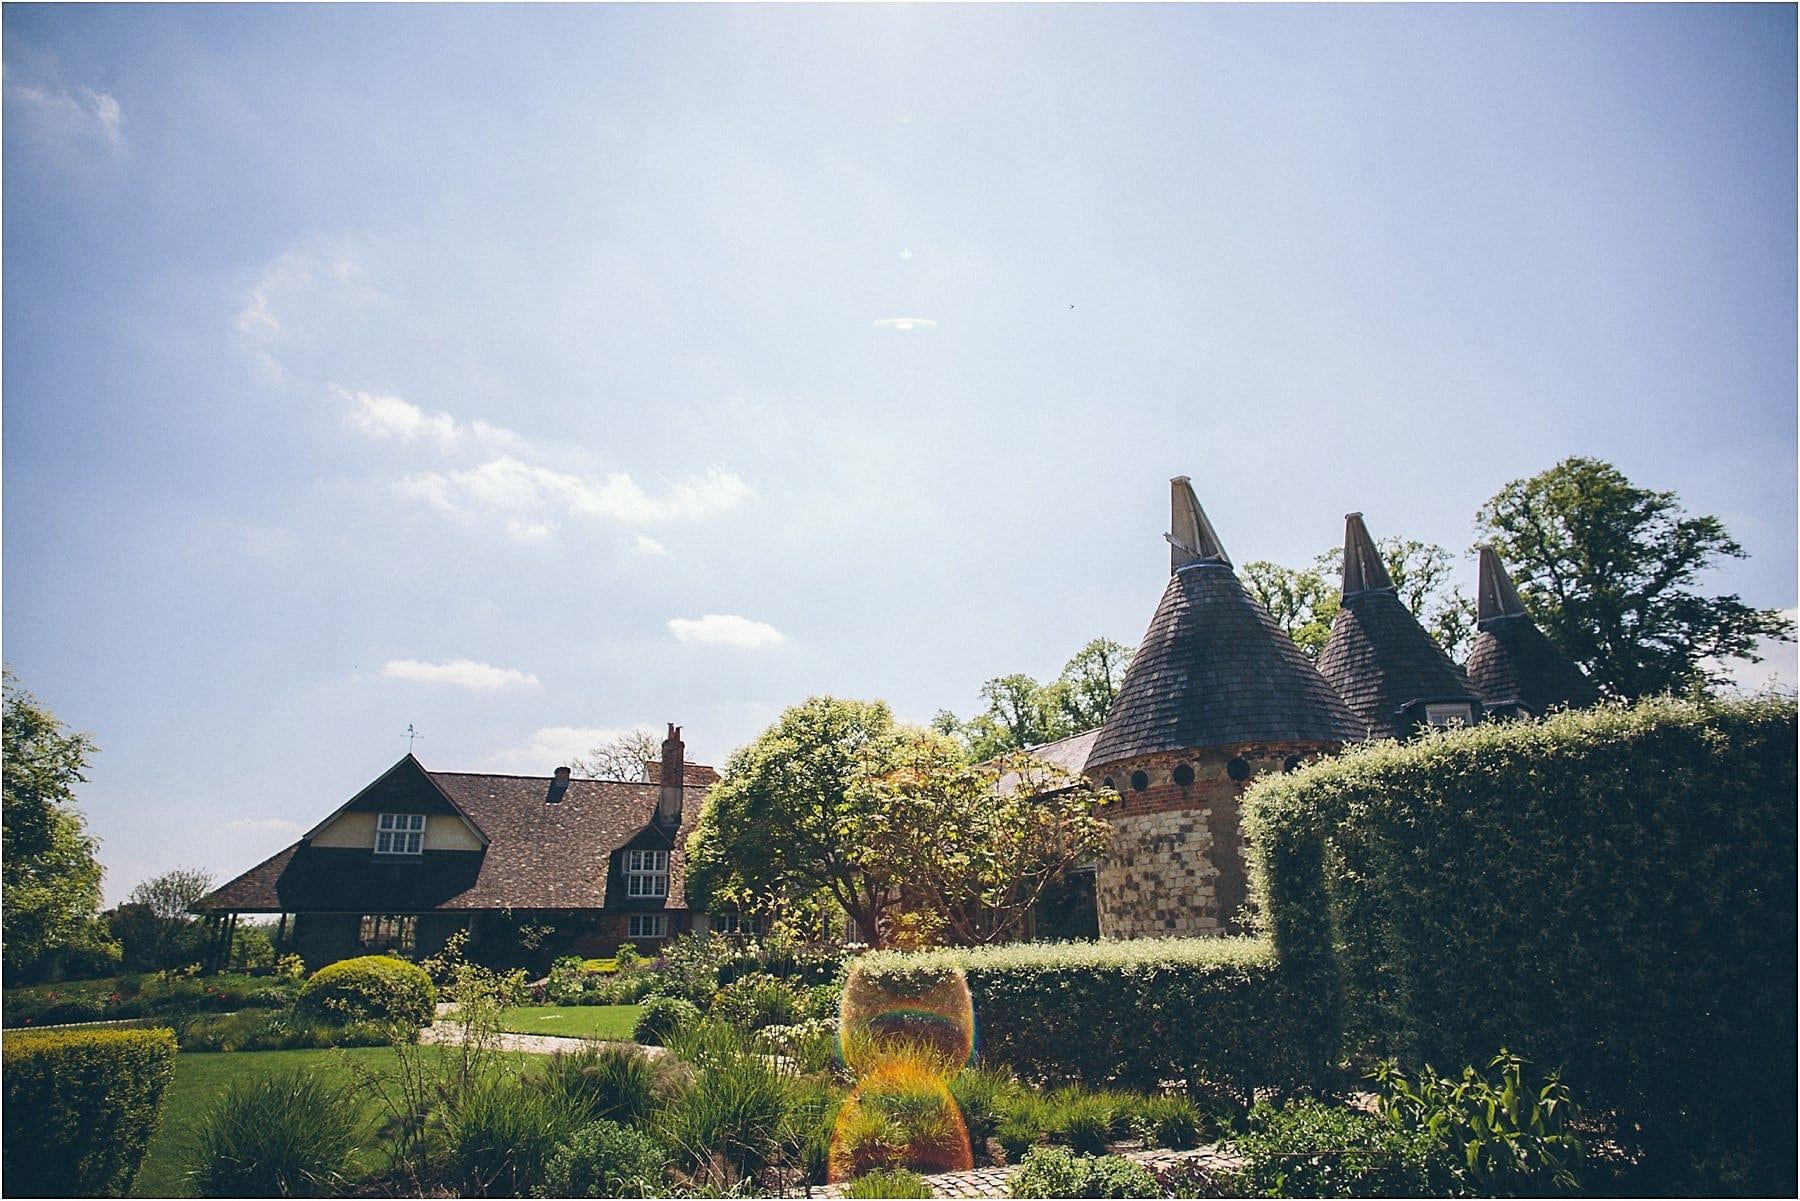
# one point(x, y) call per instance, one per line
point(981, 1092)
point(49, 875)
point(282, 1135)
point(1500, 1137)
point(755, 1001)
point(1304, 602)
point(80, 1108)
point(1025, 1120)
point(1612, 891)
point(1022, 713)
point(154, 925)
point(1218, 1013)
point(736, 1110)
point(501, 1136)
point(1311, 1149)
point(271, 1030)
point(605, 1159)
point(1174, 1122)
point(663, 1018)
point(615, 1083)
point(1059, 1172)
point(1084, 1120)
point(888, 1182)
point(369, 988)
point(1608, 570)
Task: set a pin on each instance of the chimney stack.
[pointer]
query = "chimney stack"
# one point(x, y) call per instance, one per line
point(558, 786)
point(670, 774)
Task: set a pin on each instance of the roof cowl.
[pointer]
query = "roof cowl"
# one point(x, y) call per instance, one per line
point(1192, 539)
point(1364, 570)
point(1495, 596)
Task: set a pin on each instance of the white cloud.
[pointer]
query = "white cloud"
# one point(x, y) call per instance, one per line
point(299, 295)
point(547, 749)
point(278, 825)
point(74, 115)
point(380, 416)
point(520, 490)
point(646, 545)
point(904, 323)
point(724, 629)
point(461, 673)
point(1777, 671)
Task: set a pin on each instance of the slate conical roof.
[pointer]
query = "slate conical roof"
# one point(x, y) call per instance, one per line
point(1379, 658)
point(1214, 668)
point(1512, 663)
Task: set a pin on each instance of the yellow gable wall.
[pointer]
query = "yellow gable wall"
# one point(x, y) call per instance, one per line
point(442, 833)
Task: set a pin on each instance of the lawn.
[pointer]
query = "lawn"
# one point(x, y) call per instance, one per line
point(613, 1022)
point(201, 1079)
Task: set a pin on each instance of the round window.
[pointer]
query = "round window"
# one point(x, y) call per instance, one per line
point(1238, 770)
point(1184, 775)
point(1293, 763)
point(1139, 781)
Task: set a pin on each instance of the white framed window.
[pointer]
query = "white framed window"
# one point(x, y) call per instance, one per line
point(400, 834)
point(388, 931)
point(747, 924)
point(1457, 714)
point(646, 873)
point(647, 925)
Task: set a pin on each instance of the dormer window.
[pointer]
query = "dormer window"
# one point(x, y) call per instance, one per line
point(1457, 714)
point(646, 873)
point(400, 834)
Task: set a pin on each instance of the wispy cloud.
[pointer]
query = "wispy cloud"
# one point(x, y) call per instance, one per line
point(525, 492)
point(83, 112)
point(459, 673)
point(277, 825)
point(904, 323)
point(646, 545)
point(382, 416)
point(725, 629)
point(552, 747)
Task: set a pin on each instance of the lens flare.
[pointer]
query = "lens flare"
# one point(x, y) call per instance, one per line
point(930, 1009)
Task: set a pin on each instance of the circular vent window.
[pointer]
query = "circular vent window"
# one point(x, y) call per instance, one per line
point(1184, 775)
point(1238, 770)
point(1139, 781)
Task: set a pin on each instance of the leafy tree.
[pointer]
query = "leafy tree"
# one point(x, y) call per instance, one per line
point(1023, 713)
point(621, 757)
point(1305, 602)
point(154, 923)
point(50, 874)
point(1607, 569)
point(890, 824)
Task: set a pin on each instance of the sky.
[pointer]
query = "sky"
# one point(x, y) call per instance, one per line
point(521, 375)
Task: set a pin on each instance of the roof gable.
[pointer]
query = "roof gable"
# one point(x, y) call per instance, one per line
point(405, 787)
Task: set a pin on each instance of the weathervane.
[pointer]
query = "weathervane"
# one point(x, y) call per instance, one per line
point(411, 735)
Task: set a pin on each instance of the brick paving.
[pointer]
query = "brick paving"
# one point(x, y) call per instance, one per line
point(991, 1182)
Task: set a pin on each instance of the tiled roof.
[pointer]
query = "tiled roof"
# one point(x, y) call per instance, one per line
point(1512, 661)
point(1070, 754)
point(539, 856)
point(1215, 670)
point(693, 775)
point(1379, 658)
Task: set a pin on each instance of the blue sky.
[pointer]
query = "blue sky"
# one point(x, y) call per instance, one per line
point(523, 374)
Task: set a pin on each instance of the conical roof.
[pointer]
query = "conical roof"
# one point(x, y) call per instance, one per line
point(1512, 662)
point(1214, 669)
point(1379, 658)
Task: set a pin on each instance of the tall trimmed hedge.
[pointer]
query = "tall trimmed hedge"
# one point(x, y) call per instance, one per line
point(1214, 1012)
point(1611, 891)
point(81, 1106)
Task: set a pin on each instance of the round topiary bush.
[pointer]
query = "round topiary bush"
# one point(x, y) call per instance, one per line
point(662, 1017)
point(370, 988)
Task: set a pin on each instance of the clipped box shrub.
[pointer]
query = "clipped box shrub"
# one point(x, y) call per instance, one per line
point(369, 988)
point(1610, 891)
point(1218, 1013)
point(81, 1106)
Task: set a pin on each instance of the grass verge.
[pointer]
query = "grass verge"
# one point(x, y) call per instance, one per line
point(612, 1022)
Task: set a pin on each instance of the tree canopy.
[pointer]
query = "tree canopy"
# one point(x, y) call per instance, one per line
point(621, 757)
point(1022, 713)
point(837, 803)
point(1608, 571)
point(1305, 601)
point(51, 876)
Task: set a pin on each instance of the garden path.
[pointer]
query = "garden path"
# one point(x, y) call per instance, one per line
point(991, 1182)
point(449, 1033)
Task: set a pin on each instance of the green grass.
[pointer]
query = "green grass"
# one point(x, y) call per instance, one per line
point(612, 1022)
point(201, 1079)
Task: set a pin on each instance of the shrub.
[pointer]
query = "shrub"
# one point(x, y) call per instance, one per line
point(888, 1182)
point(914, 1096)
point(80, 1108)
point(501, 1135)
point(755, 1001)
point(812, 1123)
point(1084, 1121)
point(1173, 1122)
point(662, 1018)
point(285, 1135)
point(811, 1046)
point(614, 1083)
point(980, 1093)
point(1059, 1172)
point(1216, 1012)
point(371, 987)
point(1632, 868)
point(1024, 1121)
point(737, 1108)
point(1310, 1149)
point(605, 1159)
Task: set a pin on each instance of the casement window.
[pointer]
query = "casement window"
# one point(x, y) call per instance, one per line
point(400, 834)
point(745, 924)
point(388, 931)
point(647, 925)
point(646, 873)
point(1454, 714)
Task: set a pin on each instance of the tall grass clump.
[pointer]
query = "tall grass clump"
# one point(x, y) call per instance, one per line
point(889, 1182)
point(735, 1115)
point(284, 1135)
point(501, 1134)
point(616, 1083)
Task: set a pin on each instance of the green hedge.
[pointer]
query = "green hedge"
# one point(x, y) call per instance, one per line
point(1217, 1013)
point(368, 988)
point(81, 1106)
point(1611, 891)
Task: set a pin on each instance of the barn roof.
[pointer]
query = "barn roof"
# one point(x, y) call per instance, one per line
point(1512, 662)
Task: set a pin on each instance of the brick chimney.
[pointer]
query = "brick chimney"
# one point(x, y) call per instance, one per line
point(558, 786)
point(670, 774)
